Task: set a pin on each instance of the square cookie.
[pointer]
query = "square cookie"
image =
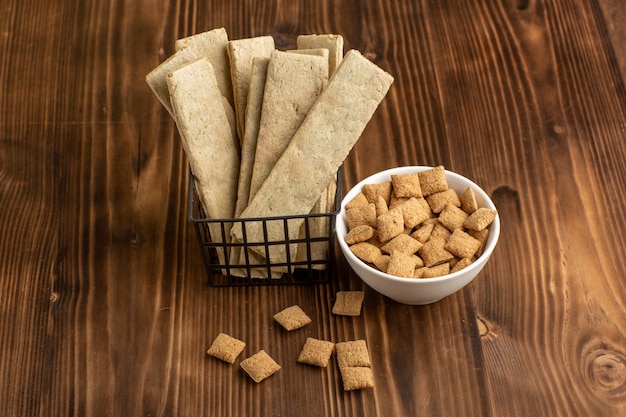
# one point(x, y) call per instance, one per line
point(259, 366)
point(226, 348)
point(352, 353)
point(348, 303)
point(292, 318)
point(357, 377)
point(316, 352)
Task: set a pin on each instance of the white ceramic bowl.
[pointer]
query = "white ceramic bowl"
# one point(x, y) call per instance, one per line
point(422, 290)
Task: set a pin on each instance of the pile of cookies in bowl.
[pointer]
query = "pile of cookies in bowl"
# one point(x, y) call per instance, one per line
point(417, 234)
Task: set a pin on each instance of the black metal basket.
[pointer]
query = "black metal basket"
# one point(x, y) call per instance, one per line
point(224, 270)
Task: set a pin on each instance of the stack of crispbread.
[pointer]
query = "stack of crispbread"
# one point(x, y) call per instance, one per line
point(265, 132)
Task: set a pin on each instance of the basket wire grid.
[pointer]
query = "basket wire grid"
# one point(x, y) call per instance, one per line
point(222, 270)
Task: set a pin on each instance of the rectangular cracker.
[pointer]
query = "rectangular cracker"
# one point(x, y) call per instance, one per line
point(317, 150)
point(250, 140)
point(211, 44)
point(241, 52)
point(319, 226)
point(248, 149)
point(334, 44)
point(207, 139)
point(323, 52)
point(294, 81)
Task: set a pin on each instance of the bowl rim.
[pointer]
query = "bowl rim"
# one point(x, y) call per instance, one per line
point(385, 175)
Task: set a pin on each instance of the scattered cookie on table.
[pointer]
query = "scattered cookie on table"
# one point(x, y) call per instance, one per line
point(260, 366)
point(226, 348)
point(352, 353)
point(292, 318)
point(357, 377)
point(348, 303)
point(316, 352)
point(354, 365)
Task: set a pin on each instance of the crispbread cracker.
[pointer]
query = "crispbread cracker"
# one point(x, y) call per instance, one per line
point(241, 53)
point(213, 45)
point(318, 226)
point(207, 140)
point(323, 52)
point(294, 81)
point(317, 150)
point(248, 148)
point(252, 119)
point(334, 44)
point(210, 45)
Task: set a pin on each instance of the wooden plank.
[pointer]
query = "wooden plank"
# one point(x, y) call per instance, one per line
point(105, 307)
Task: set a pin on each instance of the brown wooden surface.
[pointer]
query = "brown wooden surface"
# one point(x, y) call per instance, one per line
point(104, 304)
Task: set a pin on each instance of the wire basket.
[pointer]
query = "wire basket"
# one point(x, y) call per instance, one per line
point(241, 263)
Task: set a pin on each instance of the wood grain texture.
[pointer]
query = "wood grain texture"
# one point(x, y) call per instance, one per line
point(105, 307)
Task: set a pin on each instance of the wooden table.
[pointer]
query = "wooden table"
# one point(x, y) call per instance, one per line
point(105, 307)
